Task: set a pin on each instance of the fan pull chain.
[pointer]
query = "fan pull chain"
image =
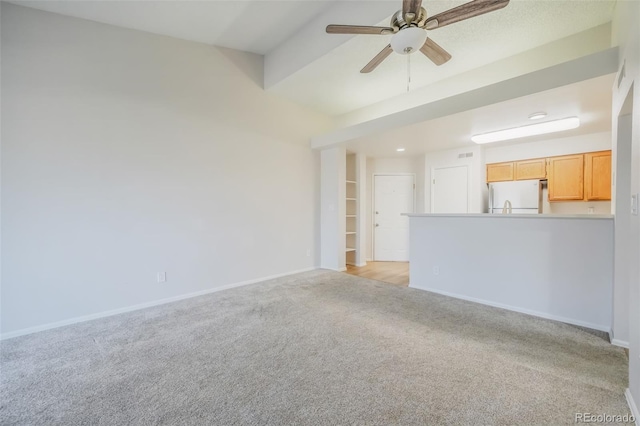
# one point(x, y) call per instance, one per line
point(408, 71)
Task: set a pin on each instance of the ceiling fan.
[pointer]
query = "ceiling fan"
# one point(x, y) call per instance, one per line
point(409, 26)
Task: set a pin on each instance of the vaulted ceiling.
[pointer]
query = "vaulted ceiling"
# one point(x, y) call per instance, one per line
point(321, 71)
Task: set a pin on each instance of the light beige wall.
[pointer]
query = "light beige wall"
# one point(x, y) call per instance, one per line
point(126, 153)
point(550, 147)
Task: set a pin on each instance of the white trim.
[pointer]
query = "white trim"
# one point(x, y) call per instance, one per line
point(75, 320)
point(632, 405)
point(621, 343)
point(516, 309)
point(373, 205)
point(360, 265)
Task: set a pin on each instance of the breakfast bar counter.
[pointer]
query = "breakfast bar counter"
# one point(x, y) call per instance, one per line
point(553, 266)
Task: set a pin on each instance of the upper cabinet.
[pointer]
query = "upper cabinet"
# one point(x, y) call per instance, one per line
point(531, 169)
point(566, 178)
point(499, 172)
point(570, 177)
point(597, 175)
point(517, 170)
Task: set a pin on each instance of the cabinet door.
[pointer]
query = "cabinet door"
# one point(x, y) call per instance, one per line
point(531, 169)
point(597, 175)
point(499, 172)
point(566, 178)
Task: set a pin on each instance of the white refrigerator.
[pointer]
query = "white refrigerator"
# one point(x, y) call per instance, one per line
point(516, 197)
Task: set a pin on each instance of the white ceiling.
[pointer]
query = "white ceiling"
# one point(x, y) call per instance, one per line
point(328, 78)
point(590, 100)
point(252, 26)
point(321, 71)
point(334, 85)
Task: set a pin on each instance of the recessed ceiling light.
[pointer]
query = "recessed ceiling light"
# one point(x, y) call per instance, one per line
point(400, 149)
point(537, 115)
point(530, 130)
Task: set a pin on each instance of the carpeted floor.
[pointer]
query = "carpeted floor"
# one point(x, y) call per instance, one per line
point(314, 348)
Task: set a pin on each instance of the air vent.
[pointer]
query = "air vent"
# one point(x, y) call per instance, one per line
point(465, 155)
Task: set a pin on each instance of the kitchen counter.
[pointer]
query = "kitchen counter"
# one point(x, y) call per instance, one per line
point(553, 266)
point(512, 216)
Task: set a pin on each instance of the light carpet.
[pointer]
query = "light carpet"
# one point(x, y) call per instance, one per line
point(314, 348)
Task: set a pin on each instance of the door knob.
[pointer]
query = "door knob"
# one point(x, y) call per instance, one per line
point(377, 213)
point(377, 224)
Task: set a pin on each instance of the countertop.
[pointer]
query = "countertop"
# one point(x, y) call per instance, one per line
point(513, 216)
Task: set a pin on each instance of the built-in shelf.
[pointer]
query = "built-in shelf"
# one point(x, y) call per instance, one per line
point(351, 197)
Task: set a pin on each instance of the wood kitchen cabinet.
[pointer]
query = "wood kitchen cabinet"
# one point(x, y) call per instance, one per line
point(566, 178)
point(531, 169)
point(499, 172)
point(575, 177)
point(517, 170)
point(597, 176)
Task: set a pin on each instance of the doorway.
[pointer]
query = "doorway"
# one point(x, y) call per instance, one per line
point(450, 189)
point(393, 194)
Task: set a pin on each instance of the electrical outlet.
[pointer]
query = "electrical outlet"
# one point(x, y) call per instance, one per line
point(162, 277)
point(308, 252)
point(436, 270)
point(634, 204)
point(590, 210)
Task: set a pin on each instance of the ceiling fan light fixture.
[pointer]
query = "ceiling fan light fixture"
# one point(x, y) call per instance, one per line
point(409, 26)
point(529, 130)
point(408, 40)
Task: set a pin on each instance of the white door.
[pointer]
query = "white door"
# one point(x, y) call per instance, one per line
point(450, 189)
point(393, 195)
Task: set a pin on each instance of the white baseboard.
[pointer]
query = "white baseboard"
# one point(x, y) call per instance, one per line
point(360, 265)
point(632, 406)
point(516, 309)
point(49, 326)
point(620, 343)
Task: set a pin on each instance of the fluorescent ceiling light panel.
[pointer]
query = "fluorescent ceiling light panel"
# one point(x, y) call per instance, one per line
point(530, 130)
point(400, 149)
